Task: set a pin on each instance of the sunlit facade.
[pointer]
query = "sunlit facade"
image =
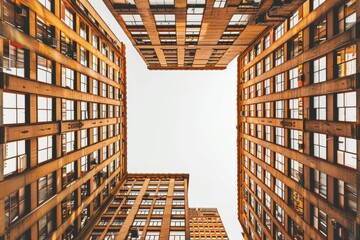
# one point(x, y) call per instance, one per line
point(63, 117)
point(194, 34)
point(298, 121)
point(206, 223)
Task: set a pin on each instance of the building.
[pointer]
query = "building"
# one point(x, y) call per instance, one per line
point(298, 126)
point(63, 117)
point(195, 34)
point(148, 206)
point(205, 223)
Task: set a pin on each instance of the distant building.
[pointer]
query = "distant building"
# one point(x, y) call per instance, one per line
point(298, 122)
point(205, 223)
point(195, 34)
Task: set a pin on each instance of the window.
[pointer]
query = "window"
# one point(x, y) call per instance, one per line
point(68, 110)
point(319, 32)
point(346, 15)
point(347, 196)
point(67, 16)
point(295, 109)
point(320, 144)
point(319, 70)
point(95, 63)
point(84, 162)
point(267, 63)
point(14, 206)
point(219, 3)
point(158, 211)
point(161, 2)
point(347, 152)
point(15, 160)
point(152, 235)
point(146, 202)
point(280, 214)
point(267, 155)
point(317, 3)
point(69, 141)
point(83, 138)
point(279, 31)
point(296, 17)
point(46, 225)
point(279, 109)
point(177, 235)
point(267, 201)
point(84, 56)
point(279, 56)
point(95, 111)
point(143, 211)
point(178, 202)
point(319, 106)
point(279, 162)
point(266, 41)
point(296, 171)
point(45, 188)
point(67, 77)
point(155, 222)
point(95, 41)
point(44, 109)
point(239, 20)
point(279, 83)
point(320, 220)
point(258, 89)
point(320, 183)
point(13, 59)
point(346, 61)
point(13, 108)
point(267, 179)
point(45, 148)
point(177, 223)
point(169, 19)
point(104, 68)
point(280, 136)
point(68, 174)
point(294, 78)
point(295, 45)
point(132, 19)
point(46, 3)
point(267, 221)
point(84, 110)
point(84, 29)
point(44, 70)
point(295, 139)
point(267, 87)
point(95, 89)
point(346, 104)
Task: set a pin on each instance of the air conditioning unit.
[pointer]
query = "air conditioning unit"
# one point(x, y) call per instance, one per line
point(21, 11)
point(260, 20)
point(53, 42)
point(134, 233)
point(94, 161)
point(301, 146)
point(334, 223)
point(242, 113)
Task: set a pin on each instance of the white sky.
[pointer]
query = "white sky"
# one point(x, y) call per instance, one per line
point(184, 122)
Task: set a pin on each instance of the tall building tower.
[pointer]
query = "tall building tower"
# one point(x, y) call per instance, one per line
point(148, 206)
point(205, 223)
point(62, 117)
point(195, 34)
point(154, 207)
point(298, 126)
